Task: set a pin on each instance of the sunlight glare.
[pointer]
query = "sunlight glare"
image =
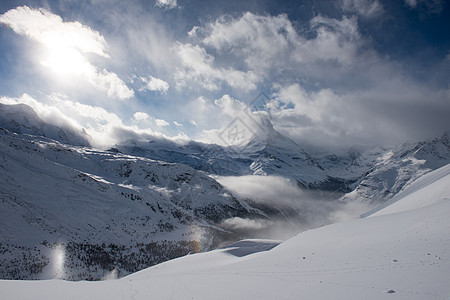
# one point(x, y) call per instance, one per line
point(61, 57)
point(64, 60)
point(59, 258)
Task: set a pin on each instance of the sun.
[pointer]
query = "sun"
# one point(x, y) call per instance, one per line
point(64, 60)
point(62, 56)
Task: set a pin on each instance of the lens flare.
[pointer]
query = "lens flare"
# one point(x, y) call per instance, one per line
point(201, 238)
point(59, 258)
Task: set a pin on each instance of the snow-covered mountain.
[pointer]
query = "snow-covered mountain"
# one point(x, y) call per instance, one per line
point(110, 210)
point(21, 118)
point(401, 250)
point(268, 153)
point(370, 175)
point(394, 169)
point(143, 202)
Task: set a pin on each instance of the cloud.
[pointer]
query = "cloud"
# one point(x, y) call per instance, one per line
point(267, 42)
point(177, 124)
point(281, 194)
point(146, 41)
point(153, 84)
point(431, 6)
point(272, 48)
point(141, 116)
point(166, 4)
point(257, 40)
point(104, 128)
point(49, 114)
point(365, 8)
point(156, 84)
point(161, 123)
point(221, 116)
point(198, 69)
point(59, 110)
point(66, 45)
point(336, 40)
point(47, 28)
point(259, 49)
point(411, 3)
point(327, 77)
point(109, 83)
point(230, 106)
point(393, 111)
point(237, 223)
point(330, 87)
point(273, 190)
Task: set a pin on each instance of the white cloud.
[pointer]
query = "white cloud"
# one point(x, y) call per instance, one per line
point(153, 84)
point(365, 8)
point(258, 48)
point(336, 40)
point(275, 190)
point(212, 116)
point(271, 42)
point(47, 113)
point(260, 41)
point(60, 111)
point(141, 116)
point(284, 195)
point(177, 124)
point(47, 28)
point(331, 87)
point(392, 112)
point(161, 123)
point(104, 128)
point(166, 4)
point(148, 120)
point(230, 106)
point(198, 68)
point(237, 223)
point(109, 83)
point(66, 45)
point(147, 41)
point(330, 83)
point(235, 124)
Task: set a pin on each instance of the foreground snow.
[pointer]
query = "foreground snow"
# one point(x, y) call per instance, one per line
point(401, 251)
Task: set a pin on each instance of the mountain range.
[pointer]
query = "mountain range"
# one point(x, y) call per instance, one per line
point(398, 250)
point(140, 203)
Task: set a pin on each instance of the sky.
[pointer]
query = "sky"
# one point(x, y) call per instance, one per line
point(328, 74)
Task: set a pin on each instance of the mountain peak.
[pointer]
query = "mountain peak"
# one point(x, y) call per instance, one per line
point(266, 136)
point(22, 119)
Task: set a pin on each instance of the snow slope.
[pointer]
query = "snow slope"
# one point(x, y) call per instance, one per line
point(426, 189)
point(107, 209)
point(402, 251)
point(394, 169)
point(21, 118)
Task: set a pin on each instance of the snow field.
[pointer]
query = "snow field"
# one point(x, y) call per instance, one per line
point(401, 252)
